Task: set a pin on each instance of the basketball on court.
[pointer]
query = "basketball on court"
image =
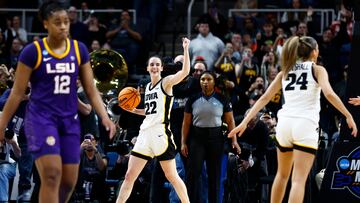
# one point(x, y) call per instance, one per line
point(129, 98)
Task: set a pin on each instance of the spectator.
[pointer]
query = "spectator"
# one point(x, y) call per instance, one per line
point(247, 70)
point(91, 179)
point(206, 45)
point(7, 164)
point(16, 126)
point(87, 116)
point(16, 31)
point(249, 26)
point(256, 89)
point(16, 48)
point(78, 30)
point(4, 77)
point(269, 119)
point(253, 144)
point(94, 46)
point(152, 10)
point(279, 42)
point(302, 29)
point(202, 137)
point(217, 22)
point(226, 62)
point(276, 102)
point(249, 41)
point(3, 51)
point(265, 40)
point(245, 4)
point(294, 17)
point(236, 41)
point(225, 67)
point(85, 11)
point(231, 29)
point(330, 45)
point(96, 30)
point(199, 67)
point(125, 39)
point(269, 61)
point(330, 52)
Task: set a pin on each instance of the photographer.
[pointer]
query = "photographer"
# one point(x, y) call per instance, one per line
point(7, 163)
point(247, 70)
point(253, 143)
point(25, 161)
point(91, 171)
point(226, 62)
point(255, 91)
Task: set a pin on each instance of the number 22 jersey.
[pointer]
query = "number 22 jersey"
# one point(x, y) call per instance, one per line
point(301, 93)
point(157, 106)
point(53, 78)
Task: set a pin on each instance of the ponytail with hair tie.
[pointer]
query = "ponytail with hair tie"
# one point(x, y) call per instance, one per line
point(302, 40)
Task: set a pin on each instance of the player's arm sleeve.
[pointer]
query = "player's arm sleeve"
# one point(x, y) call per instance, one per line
point(31, 55)
point(84, 53)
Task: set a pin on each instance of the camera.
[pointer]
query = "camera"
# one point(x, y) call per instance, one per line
point(172, 68)
point(246, 150)
point(121, 147)
point(87, 137)
point(9, 134)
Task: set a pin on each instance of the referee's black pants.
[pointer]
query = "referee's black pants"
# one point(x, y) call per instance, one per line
point(205, 144)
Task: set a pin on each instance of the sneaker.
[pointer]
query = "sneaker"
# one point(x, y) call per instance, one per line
point(25, 196)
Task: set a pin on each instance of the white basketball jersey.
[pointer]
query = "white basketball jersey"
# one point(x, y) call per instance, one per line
point(157, 106)
point(301, 93)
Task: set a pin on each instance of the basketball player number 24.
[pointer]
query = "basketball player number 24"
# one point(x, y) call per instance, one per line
point(300, 81)
point(62, 83)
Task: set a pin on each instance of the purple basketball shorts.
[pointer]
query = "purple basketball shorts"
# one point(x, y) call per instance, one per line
point(49, 134)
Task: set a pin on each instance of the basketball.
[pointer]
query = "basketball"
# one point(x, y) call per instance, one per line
point(129, 98)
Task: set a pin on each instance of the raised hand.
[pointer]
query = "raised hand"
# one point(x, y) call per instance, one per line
point(185, 42)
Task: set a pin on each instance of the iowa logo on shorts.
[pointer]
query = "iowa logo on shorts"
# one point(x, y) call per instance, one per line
point(50, 140)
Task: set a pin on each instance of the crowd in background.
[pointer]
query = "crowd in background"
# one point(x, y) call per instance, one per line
point(241, 52)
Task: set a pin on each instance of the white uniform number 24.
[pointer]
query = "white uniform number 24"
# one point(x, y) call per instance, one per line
point(62, 83)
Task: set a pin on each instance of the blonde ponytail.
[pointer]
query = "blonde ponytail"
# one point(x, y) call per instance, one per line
point(289, 54)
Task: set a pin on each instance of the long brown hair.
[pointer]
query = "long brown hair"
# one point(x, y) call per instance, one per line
point(295, 48)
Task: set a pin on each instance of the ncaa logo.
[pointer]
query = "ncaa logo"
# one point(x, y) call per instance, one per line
point(344, 164)
point(50, 140)
point(44, 52)
point(347, 176)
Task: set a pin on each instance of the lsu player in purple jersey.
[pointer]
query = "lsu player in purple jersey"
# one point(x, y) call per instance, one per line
point(52, 66)
point(301, 81)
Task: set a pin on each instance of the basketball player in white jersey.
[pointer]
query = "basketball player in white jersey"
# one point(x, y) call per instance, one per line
point(296, 137)
point(155, 138)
